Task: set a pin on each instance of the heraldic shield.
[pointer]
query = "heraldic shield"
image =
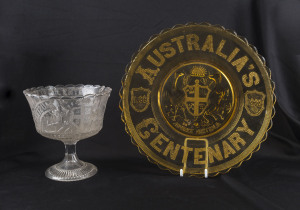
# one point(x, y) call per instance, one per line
point(196, 98)
point(254, 102)
point(140, 99)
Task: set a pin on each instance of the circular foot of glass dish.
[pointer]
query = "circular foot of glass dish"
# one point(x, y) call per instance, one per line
point(68, 171)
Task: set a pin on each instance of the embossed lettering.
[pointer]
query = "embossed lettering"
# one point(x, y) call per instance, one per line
point(198, 156)
point(159, 62)
point(148, 74)
point(219, 49)
point(192, 42)
point(158, 141)
point(240, 63)
point(253, 78)
point(178, 42)
point(173, 151)
point(208, 44)
point(228, 150)
point(186, 151)
point(145, 124)
point(233, 54)
point(235, 140)
point(245, 128)
point(166, 47)
point(214, 153)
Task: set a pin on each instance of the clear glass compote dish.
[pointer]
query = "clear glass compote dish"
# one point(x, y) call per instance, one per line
point(68, 113)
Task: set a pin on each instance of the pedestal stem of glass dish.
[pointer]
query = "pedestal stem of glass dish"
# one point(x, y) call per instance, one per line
point(71, 161)
point(70, 152)
point(71, 168)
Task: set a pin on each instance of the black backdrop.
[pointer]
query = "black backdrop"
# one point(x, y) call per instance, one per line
point(90, 42)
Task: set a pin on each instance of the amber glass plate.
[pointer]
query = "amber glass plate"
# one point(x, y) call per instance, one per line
point(197, 98)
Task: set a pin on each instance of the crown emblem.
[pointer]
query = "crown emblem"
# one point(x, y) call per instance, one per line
point(198, 71)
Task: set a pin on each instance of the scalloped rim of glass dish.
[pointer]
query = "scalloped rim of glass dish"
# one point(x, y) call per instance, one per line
point(102, 91)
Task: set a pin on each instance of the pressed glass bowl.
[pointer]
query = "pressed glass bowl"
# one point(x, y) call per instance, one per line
point(68, 113)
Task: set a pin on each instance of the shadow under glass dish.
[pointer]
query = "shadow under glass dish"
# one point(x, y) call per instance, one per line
point(68, 113)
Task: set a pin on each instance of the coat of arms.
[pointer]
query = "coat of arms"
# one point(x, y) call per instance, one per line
point(196, 98)
point(254, 102)
point(140, 99)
